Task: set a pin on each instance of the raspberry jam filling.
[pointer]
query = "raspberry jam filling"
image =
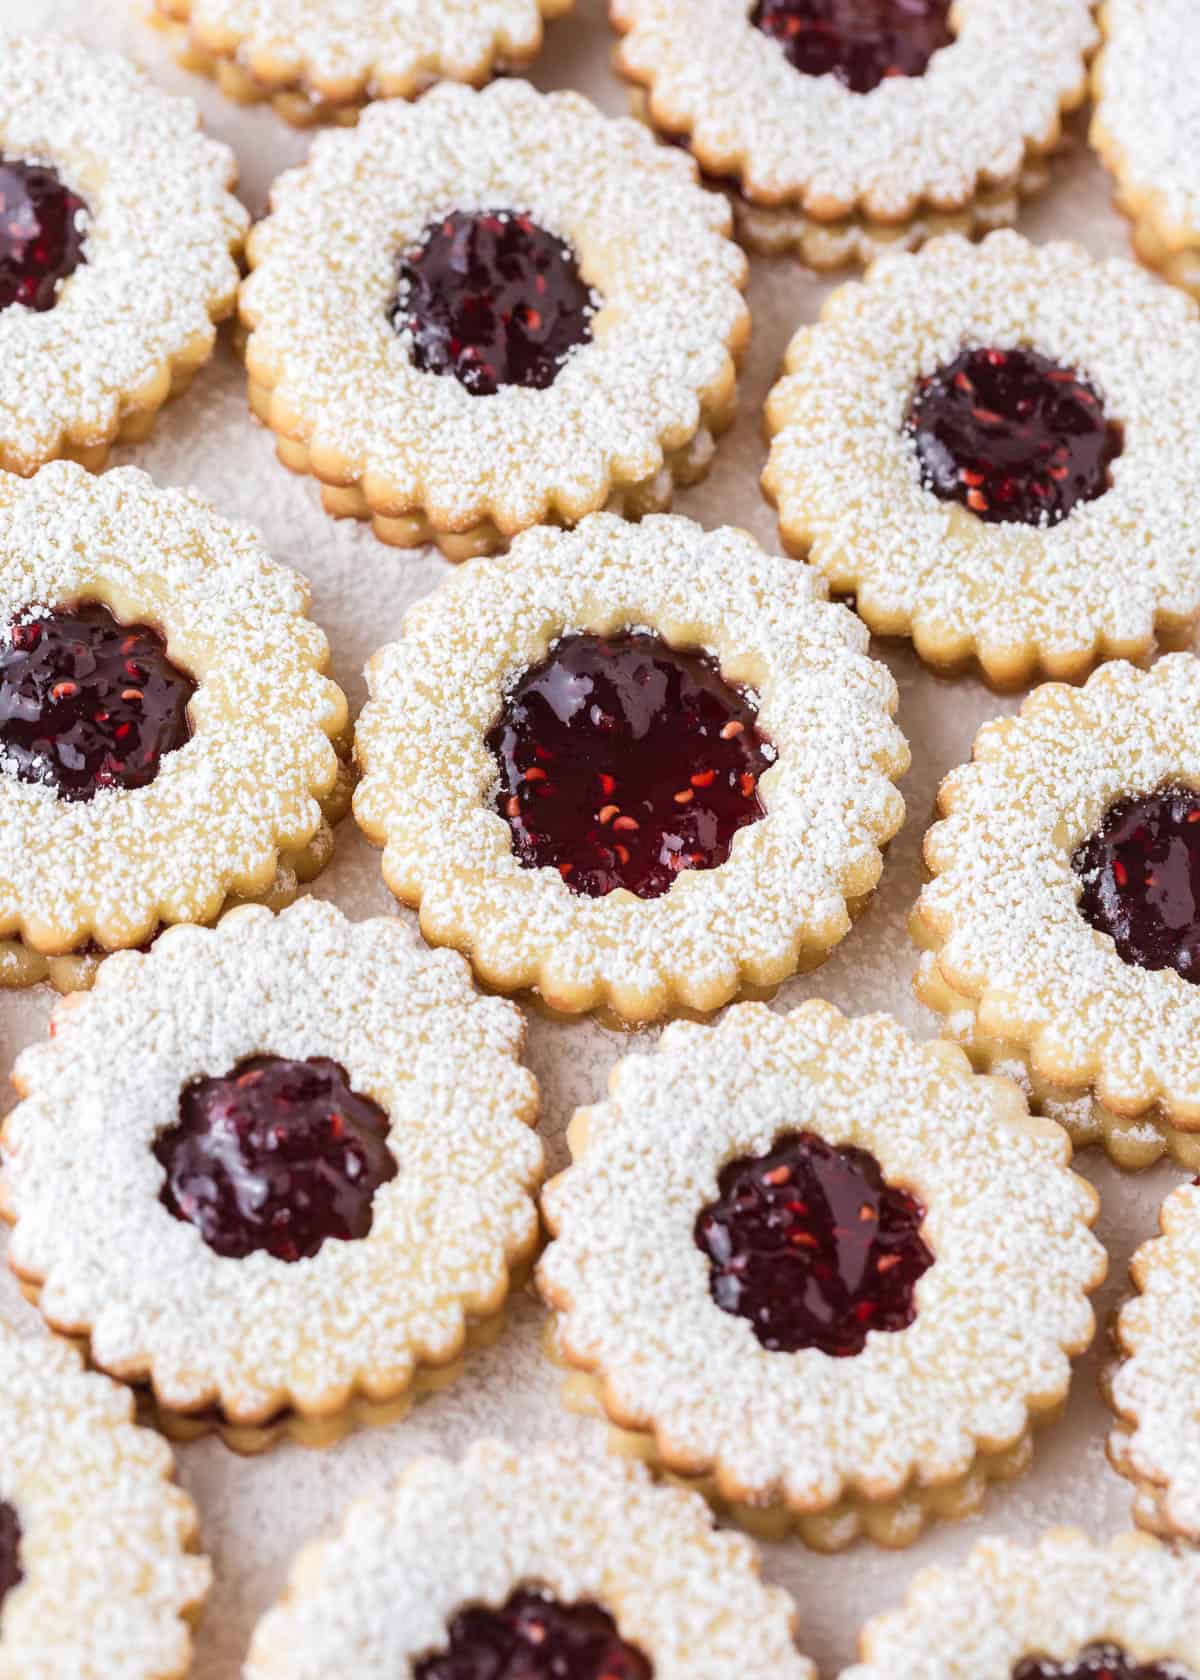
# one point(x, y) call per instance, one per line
point(494, 299)
point(43, 225)
point(1099, 1662)
point(1012, 436)
point(1141, 880)
point(534, 1637)
point(861, 42)
point(88, 703)
point(11, 1573)
point(812, 1245)
point(276, 1157)
point(624, 761)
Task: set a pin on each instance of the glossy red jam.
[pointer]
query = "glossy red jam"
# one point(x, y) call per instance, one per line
point(88, 703)
point(1141, 880)
point(494, 299)
point(1099, 1662)
point(861, 42)
point(812, 1246)
point(624, 761)
point(534, 1637)
point(276, 1157)
point(42, 233)
point(11, 1573)
point(1012, 436)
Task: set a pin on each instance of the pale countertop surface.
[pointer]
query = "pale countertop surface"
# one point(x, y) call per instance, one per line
point(256, 1513)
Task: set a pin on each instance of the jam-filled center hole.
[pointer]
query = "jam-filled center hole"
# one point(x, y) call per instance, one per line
point(1100, 1662)
point(813, 1246)
point(492, 298)
point(623, 761)
point(1140, 874)
point(43, 229)
point(278, 1156)
point(11, 1573)
point(535, 1637)
point(88, 703)
point(1013, 436)
point(861, 42)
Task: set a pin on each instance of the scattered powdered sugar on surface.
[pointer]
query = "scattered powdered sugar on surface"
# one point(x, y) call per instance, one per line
point(823, 705)
point(1047, 1600)
point(412, 1034)
point(982, 101)
point(1003, 904)
point(104, 1536)
point(1004, 1301)
point(161, 233)
point(406, 1559)
point(846, 478)
point(649, 240)
point(224, 805)
point(1149, 104)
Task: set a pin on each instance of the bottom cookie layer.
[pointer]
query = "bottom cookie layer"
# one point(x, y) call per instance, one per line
point(1149, 1508)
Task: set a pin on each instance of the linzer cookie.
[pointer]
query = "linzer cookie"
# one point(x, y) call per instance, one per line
point(827, 1275)
point(168, 738)
point(492, 310)
point(320, 61)
point(1146, 127)
point(841, 129)
point(538, 1566)
point(631, 767)
point(119, 238)
point(300, 1162)
point(989, 447)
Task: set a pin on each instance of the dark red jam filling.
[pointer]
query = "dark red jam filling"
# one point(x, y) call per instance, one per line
point(1012, 436)
point(624, 761)
point(42, 233)
point(861, 42)
point(494, 299)
point(813, 1246)
point(11, 1573)
point(1141, 880)
point(276, 1157)
point(88, 703)
point(534, 1637)
point(1099, 1662)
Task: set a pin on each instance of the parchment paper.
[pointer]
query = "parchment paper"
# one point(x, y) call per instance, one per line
point(256, 1513)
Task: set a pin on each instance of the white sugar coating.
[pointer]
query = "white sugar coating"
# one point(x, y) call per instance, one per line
point(845, 474)
point(109, 1584)
point(1002, 910)
point(244, 789)
point(1050, 1601)
point(379, 1596)
point(1156, 1389)
point(648, 239)
point(257, 1334)
point(162, 236)
point(1148, 106)
point(378, 47)
point(429, 779)
point(996, 92)
point(998, 1312)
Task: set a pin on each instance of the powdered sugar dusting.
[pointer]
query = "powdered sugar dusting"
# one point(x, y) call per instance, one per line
point(997, 1314)
point(382, 1592)
point(105, 1536)
point(1148, 107)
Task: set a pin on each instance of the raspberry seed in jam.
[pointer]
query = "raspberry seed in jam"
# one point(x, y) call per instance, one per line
point(276, 1157)
point(624, 761)
point(494, 299)
point(88, 703)
point(1141, 880)
point(534, 1637)
point(11, 1573)
point(42, 234)
point(861, 42)
point(1099, 1662)
point(1012, 436)
point(813, 1246)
